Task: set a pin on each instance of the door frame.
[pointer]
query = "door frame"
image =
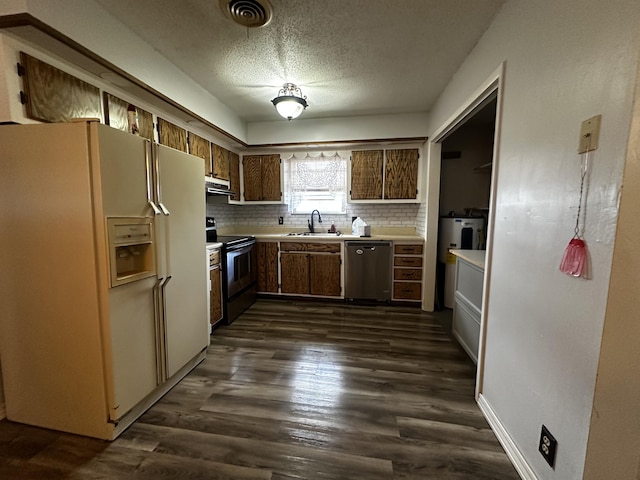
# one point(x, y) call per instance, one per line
point(493, 83)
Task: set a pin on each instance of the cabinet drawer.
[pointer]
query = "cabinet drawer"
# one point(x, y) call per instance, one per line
point(469, 280)
point(466, 328)
point(214, 257)
point(310, 247)
point(323, 247)
point(407, 261)
point(407, 274)
point(293, 247)
point(407, 290)
point(407, 249)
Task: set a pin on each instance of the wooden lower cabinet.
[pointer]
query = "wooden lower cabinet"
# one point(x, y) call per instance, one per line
point(324, 275)
point(306, 271)
point(215, 305)
point(267, 266)
point(294, 270)
point(407, 290)
point(407, 272)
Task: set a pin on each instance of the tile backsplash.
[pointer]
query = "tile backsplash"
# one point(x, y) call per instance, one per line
point(376, 215)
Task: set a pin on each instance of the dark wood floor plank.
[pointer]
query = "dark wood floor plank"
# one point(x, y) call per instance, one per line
point(295, 390)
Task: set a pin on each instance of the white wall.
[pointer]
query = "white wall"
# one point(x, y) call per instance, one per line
point(566, 61)
point(462, 184)
point(335, 129)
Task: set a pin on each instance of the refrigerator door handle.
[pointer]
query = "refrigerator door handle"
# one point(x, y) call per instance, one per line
point(164, 209)
point(164, 361)
point(158, 324)
point(149, 178)
point(156, 167)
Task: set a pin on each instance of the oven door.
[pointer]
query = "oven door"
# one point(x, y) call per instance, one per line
point(241, 272)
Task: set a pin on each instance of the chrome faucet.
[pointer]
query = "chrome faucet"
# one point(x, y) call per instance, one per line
point(310, 224)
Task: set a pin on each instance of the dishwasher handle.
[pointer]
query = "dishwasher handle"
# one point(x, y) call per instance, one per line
point(367, 245)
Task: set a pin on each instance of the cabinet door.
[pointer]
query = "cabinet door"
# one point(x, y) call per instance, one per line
point(401, 174)
point(294, 272)
point(252, 178)
point(171, 135)
point(270, 168)
point(366, 174)
point(201, 147)
point(324, 273)
point(216, 294)
point(234, 175)
point(267, 265)
point(220, 162)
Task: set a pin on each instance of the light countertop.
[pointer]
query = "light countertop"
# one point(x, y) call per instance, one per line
point(474, 257)
point(328, 237)
point(273, 234)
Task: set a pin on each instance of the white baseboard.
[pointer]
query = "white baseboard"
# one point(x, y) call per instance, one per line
point(512, 451)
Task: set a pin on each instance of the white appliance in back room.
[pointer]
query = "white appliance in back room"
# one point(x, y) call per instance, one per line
point(103, 287)
point(457, 233)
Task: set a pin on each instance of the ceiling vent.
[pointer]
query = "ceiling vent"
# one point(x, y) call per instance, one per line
point(248, 13)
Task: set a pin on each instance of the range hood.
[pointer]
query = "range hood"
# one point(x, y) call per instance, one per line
point(212, 188)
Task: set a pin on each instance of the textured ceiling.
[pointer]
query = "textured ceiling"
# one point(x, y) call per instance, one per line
point(349, 57)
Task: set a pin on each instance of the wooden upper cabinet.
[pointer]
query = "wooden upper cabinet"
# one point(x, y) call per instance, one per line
point(220, 162)
point(252, 177)
point(171, 135)
point(234, 175)
point(116, 116)
point(51, 95)
point(396, 169)
point(366, 174)
point(401, 174)
point(261, 177)
point(201, 147)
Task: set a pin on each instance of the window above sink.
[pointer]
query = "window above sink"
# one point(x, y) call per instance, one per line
point(316, 180)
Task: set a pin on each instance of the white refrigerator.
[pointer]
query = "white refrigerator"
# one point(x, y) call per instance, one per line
point(103, 291)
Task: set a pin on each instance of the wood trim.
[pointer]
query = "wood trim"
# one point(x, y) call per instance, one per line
point(346, 143)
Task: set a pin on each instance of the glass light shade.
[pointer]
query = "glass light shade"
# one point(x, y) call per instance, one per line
point(289, 106)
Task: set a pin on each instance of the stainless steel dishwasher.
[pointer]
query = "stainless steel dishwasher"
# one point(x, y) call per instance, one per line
point(368, 270)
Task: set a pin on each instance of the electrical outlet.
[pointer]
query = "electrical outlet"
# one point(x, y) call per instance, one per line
point(589, 134)
point(548, 446)
point(280, 220)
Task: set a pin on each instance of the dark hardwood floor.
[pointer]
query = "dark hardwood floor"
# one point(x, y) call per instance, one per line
point(295, 390)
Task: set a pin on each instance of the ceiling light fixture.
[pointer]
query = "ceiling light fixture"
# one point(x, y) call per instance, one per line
point(290, 103)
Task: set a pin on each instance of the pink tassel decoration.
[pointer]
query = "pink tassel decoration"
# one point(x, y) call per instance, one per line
point(575, 259)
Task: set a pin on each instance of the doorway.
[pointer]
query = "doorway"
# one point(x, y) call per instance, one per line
point(489, 90)
point(465, 190)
